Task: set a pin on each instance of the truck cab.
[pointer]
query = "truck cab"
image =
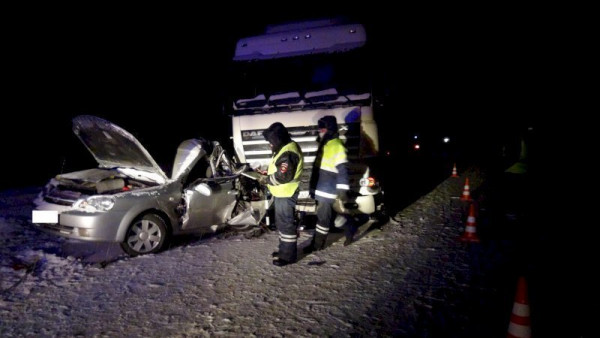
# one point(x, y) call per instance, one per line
point(295, 74)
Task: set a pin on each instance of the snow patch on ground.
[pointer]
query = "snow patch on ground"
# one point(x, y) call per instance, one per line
point(408, 277)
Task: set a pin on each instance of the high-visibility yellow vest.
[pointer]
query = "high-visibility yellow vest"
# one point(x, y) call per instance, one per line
point(287, 189)
point(334, 153)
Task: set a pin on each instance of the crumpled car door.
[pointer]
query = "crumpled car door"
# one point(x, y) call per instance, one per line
point(208, 212)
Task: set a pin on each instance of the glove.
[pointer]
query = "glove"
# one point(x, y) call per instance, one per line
point(263, 179)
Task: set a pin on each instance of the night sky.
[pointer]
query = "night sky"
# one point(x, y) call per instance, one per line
point(468, 74)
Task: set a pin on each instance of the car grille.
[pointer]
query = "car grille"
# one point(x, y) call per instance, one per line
point(58, 200)
point(63, 197)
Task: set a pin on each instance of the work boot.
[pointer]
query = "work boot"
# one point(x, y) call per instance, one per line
point(319, 241)
point(281, 262)
point(348, 241)
point(349, 232)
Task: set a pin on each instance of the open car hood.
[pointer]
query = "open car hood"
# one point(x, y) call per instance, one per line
point(113, 146)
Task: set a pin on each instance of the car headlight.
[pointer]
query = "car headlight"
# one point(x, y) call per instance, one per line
point(95, 203)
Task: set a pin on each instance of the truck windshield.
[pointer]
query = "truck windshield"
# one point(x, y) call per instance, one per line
point(302, 81)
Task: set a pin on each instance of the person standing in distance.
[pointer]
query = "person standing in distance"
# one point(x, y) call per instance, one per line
point(283, 179)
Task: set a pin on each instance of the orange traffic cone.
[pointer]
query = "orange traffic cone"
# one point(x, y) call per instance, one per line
point(470, 234)
point(454, 173)
point(520, 324)
point(466, 195)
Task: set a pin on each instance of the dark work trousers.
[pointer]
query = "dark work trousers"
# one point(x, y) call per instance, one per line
point(325, 217)
point(284, 219)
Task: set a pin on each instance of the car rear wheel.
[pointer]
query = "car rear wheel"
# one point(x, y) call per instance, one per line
point(145, 235)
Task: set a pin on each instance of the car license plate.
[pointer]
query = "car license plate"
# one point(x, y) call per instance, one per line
point(44, 216)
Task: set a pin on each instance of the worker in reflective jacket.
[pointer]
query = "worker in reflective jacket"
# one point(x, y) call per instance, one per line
point(283, 178)
point(329, 181)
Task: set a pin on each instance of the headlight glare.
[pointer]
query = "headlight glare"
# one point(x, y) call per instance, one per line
point(96, 203)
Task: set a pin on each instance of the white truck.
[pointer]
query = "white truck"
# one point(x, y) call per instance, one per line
point(295, 74)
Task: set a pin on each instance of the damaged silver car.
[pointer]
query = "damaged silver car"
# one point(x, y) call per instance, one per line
point(130, 200)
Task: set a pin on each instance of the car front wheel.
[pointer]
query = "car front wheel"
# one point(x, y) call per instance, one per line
point(145, 235)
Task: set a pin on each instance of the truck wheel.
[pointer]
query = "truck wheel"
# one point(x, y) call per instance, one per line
point(145, 235)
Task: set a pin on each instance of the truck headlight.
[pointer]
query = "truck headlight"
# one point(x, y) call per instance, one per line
point(95, 203)
point(367, 182)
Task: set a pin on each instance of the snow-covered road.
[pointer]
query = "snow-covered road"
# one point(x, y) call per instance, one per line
point(411, 277)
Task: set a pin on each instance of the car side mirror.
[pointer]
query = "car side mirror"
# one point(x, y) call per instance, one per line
point(203, 189)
